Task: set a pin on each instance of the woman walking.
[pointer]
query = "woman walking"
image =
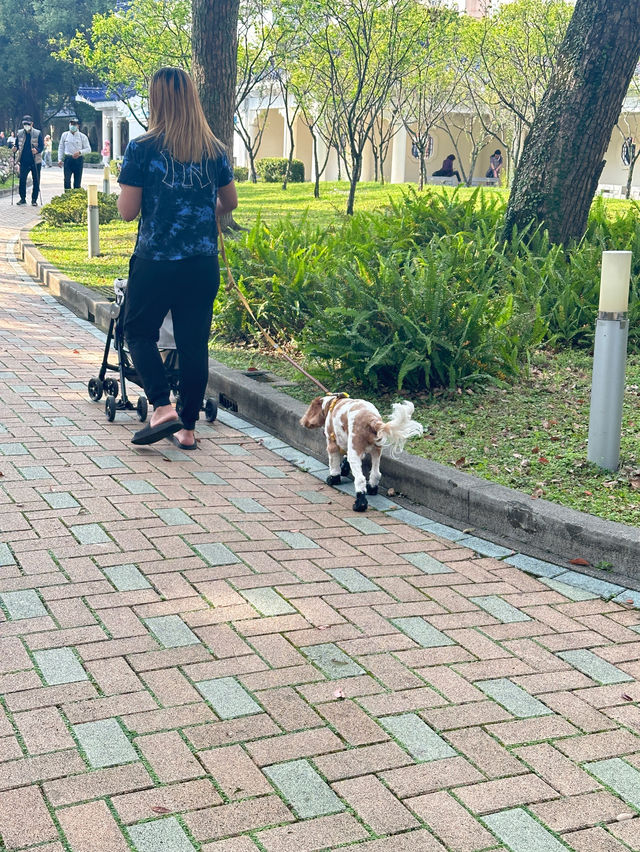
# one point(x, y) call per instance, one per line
point(178, 178)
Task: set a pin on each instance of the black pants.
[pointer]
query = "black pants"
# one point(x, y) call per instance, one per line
point(441, 173)
point(187, 288)
point(73, 167)
point(29, 168)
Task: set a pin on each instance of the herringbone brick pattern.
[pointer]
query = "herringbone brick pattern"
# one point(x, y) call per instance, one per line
point(211, 651)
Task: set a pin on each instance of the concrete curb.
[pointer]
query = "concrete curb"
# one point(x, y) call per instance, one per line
point(83, 301)
point(536, 527)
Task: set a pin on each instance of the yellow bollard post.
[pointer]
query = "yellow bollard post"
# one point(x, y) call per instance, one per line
point(106, 180)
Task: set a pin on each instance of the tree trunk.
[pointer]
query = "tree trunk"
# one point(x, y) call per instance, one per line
point(214, 46)
point(253, 175)
point(632, 165)
point(356, 169)
point(561, 160)
point(316, 185)
point(287, 174)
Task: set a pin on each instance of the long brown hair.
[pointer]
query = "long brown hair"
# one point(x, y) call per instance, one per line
point(176, 115)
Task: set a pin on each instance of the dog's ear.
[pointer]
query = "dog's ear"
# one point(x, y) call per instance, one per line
point(315, 415)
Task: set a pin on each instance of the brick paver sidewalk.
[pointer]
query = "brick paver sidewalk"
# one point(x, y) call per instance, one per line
point(212, 651)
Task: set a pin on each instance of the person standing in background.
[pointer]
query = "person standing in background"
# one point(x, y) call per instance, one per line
point(46, 154)
point(28, 153)
point(106, 152)
point(11, 139)
point(73, 146)
point(3, 139)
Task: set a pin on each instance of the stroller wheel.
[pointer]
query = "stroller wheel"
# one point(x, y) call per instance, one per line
point(110, 408)
point(95, 388)
point(111, 387)
point(179, 405)
point(210, 410)
point(142, 408)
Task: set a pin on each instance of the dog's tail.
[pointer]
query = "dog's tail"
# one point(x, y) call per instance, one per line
point(397, 431)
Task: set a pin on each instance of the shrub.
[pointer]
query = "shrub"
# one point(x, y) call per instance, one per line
point(425, 293)
point(273, 169)
point(240, 173)
point(6, 164)
point(93, 157)
point(115, 166)
point(71, 207)
point(280, 269)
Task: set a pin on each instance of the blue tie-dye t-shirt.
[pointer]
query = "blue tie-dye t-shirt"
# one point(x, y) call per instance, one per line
point(177, 217)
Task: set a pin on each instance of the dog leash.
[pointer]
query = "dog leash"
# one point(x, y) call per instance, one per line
point(264, 332)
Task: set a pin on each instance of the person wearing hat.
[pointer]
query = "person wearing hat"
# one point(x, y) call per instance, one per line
point(71, 150)
point(27, 149)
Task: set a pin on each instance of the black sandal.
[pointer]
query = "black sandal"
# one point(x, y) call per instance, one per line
point(151, 434)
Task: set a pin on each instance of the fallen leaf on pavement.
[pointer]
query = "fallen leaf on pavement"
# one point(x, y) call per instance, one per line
point(578, 561)
point(339, 694)
point(158, 809)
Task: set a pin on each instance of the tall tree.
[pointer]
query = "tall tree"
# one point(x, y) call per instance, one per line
point(33, 80)
point(125, 46)
point(214, 42)
point(562, 159)
point(367, 48)
point(426, 93)
point(256, 77)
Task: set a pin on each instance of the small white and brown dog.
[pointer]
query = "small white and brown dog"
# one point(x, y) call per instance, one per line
point(353, 428)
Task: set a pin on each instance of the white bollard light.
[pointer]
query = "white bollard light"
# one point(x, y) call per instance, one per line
point(609, 361)
point(93, 220)
point(106, 180)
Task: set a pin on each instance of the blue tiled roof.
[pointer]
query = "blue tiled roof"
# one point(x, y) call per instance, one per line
point(93, 94)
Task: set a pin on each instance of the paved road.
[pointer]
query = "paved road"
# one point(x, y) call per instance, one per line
point(212, 651)
point(13, 216)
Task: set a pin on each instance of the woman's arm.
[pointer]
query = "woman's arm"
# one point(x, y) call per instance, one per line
point(227, 199)
point(129, 201)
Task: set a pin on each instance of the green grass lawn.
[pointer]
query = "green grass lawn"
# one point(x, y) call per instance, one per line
point(530, 436)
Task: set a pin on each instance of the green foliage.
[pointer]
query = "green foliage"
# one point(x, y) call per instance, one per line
point(273, 170)
point(125, 46)
point(424, 293)
point(240, 173)
point(93, 157)
point(280, 269)
point(31, 75)
point(71, 207)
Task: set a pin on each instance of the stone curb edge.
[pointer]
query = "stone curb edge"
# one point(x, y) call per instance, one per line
point(538, 527)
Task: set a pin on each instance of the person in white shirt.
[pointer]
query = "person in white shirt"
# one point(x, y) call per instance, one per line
point(71, 150)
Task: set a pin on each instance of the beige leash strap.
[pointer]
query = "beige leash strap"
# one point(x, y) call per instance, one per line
point(264, 332)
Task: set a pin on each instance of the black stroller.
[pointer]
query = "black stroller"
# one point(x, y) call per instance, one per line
point(116, 392)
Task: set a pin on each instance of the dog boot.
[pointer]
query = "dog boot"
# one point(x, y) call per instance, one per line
point(333, 480)
point(372, 489)
point(345, 467)
point(361, 502)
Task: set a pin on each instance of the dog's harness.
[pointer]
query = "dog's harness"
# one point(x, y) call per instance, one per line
point(336, 398)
